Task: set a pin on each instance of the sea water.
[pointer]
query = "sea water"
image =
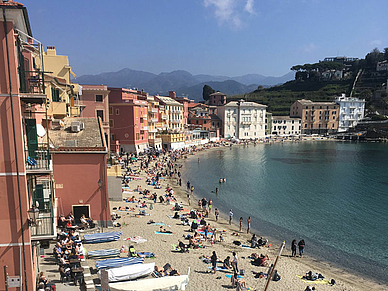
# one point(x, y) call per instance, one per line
point(334, 195)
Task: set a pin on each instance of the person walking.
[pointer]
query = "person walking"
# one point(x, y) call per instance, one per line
point(293, 248)
point(213, 260)
point(249, 224)
point(216, 213)
point(235, 262)
point(230, 216)
point(301, 246)
point(241, 221)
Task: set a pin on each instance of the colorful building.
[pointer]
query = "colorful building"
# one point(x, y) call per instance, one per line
point(155, 123)
point(317, 117)
point(27, 209)
point(95, 103)
point(128, 119)
point(79, 155)
point(173, 112)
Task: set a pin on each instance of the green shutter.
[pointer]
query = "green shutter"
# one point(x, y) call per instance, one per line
point(55, 95)
point(38, 196)
point(32, 137)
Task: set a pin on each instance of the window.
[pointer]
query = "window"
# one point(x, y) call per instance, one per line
point(55, 95)
point(110, 110)
point(98, 98)
point(111, 123)
point(117, 111)
point(137, 136)
point(113, 137)
point(100, 113)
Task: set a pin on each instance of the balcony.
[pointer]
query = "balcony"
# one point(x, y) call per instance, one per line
point(58, 109)
point(144, 128)
point(153, 120)
point(246, 122)
point(175, 121)
point(37, 159)
point(164, 116)
point(154, 110)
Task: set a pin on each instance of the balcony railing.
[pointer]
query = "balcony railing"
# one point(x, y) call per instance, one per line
point(246, 122)
point(164, 117)
point(144, 128)
point(37, 158)
point(154, 110)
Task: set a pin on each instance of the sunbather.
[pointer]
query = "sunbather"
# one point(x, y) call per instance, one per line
point(162, 229)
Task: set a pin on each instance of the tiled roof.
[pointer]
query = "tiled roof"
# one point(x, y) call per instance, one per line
point(88, 139)
point(11, 3)
point(309, 102)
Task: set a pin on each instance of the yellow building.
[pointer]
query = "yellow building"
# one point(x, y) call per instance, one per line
point(174, 113)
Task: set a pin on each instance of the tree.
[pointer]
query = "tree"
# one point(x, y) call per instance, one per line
point(206, 91)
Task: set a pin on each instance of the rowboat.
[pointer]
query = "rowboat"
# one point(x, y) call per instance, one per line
point(167, 283)
point(131, 272)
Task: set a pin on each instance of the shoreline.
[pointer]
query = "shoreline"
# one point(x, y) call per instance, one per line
point(200, 276)
point(313, 261)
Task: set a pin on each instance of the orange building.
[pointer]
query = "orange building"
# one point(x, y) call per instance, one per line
point(317, 117)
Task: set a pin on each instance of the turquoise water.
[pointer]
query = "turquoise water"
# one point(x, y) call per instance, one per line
point(332, 194)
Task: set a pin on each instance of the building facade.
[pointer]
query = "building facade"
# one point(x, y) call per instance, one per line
point(128, 119)
point(351, 110)
point(317, 117)
point(286, 126)
point(173, 112)
point(243, 120)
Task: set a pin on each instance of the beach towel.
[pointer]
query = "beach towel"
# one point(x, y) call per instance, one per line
point(323, 281)
point(203, 233)
point(136, 239)
point(218, 268)
point(157, 223)
point(104, 253)
point(117, 263)
point(230, 276)
point(146, 254)
point(102, 237)
point(247, 247)
point(158, 232)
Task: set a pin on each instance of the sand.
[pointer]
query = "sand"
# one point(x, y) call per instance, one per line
point(201, 277)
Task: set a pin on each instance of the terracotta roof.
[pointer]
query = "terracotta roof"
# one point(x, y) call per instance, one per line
point(11, 3)
point(284, 118)
point(217, 93)
point(309, 102)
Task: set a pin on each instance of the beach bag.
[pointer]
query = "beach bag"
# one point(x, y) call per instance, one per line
point(237, 242)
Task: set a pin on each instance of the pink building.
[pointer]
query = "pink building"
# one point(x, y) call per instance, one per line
point(217, 99)
point(128, 113)
point(79, 164)
point(95, 103)
point(26, 195)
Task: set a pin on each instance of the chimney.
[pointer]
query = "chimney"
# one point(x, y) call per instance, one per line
point(51, 51)
point(172, 94)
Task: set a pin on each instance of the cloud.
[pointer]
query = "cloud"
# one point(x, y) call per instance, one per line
point(309, 48)
point(249, 7)
point(229, 11)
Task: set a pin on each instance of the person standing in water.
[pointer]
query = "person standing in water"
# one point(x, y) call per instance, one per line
point(216, 213)
point(230, 216)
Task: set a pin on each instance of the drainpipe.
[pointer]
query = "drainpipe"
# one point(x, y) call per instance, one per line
point(16, 152)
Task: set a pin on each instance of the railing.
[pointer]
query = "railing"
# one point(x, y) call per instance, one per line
point(154, 110)
point(144, 128)
point(37, 159)
point(44, 226)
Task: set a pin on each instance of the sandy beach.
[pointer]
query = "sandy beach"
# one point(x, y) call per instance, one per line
point(201, 277)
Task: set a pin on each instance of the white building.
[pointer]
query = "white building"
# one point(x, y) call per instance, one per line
point(174, 113)
point(243, 120)
point(351, 111)
point(285, 125)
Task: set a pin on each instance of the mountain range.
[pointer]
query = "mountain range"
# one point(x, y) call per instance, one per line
point(182, 82)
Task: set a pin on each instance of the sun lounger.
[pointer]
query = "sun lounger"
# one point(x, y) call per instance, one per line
point(102, 237)
point(163, 283)
point(117, 263)
point(104, 253)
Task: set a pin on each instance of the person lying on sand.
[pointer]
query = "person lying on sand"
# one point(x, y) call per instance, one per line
point(162, 229)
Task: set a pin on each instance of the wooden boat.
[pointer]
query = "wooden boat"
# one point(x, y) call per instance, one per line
point(131, 272)
point(167, 283)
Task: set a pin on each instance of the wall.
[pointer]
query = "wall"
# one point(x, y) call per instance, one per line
point(76, 182)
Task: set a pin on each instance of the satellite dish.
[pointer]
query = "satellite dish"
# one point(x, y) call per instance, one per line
point(40, 130)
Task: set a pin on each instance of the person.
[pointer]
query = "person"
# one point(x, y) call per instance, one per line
point(42, 279)
point(308, 288)
point(199, 205)
point(293, 248)
point(235, 262)
point(226, 263)
point(213, 260)
point(230, 216)
point(249, 224)
point(216, 190)
point(210, 205)
point(161, 229)
point(183, 247)
point(188, 184)
point(241, 221)
point(216, 213)
point(301, 246)
point(84, 221)
point(254, 241)
point(188, 198)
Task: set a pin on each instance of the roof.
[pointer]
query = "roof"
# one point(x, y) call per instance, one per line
point(217, 93)
point(284, 118)
point(88, 139)
point(168, 100)
point(309, 102)
point(215, 117)
point(244, 103)
point(193, 104)
point(11, 3)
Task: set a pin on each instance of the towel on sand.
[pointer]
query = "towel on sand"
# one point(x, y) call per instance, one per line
point(136, 239)
point(323, 281)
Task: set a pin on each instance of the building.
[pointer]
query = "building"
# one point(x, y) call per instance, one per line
point(173, 112)
point(155, 123)
point(217, 99)
point(351, 110)
point(95, 103)
point(285, 125)
point(268, 123)
point(79, 155)
point(243, 120)
point(201, 118)
point(128, 119)
point(317, 117)
point(382, 66)
point(185, 102)
point(27, 209)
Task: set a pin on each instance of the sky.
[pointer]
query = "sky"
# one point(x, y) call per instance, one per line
point(217, 37)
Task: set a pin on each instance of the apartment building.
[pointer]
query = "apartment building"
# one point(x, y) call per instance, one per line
point(173, 112)
point(285, 125)
point(155, 123)
point(351, 111)
point(243, 120)
point(317, 117)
